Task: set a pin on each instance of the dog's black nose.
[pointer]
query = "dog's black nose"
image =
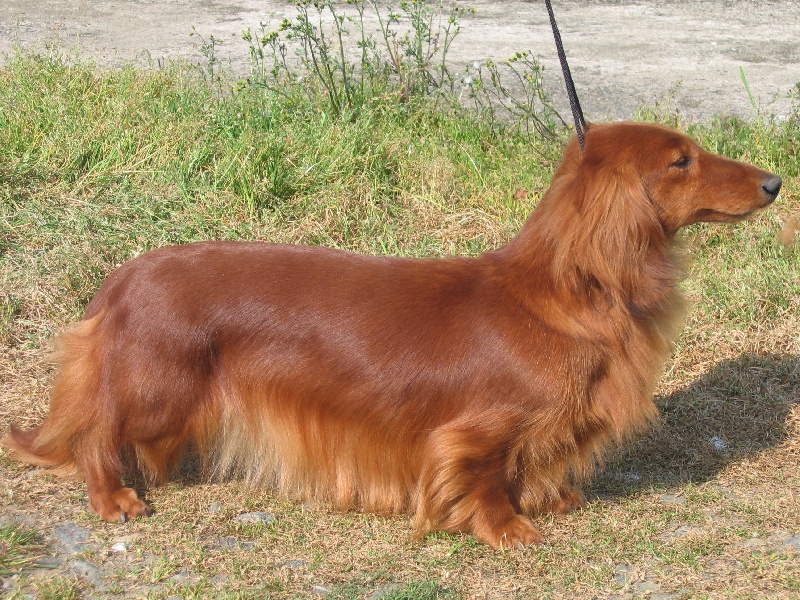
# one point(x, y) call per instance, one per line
point(771, 186)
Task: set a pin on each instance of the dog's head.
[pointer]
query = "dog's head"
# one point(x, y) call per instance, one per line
point(613, 208)
point(683, 183)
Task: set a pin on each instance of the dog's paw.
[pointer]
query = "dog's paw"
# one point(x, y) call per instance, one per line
point(520, 533)
point(515, 533)
point(568, 501)
point(120, 506)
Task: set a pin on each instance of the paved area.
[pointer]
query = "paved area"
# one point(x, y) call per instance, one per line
point(621, 51)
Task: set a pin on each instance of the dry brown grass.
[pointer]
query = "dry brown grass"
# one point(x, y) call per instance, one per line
point(671, 514)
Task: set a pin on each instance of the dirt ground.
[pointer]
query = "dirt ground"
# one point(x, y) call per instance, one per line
point(622, 52)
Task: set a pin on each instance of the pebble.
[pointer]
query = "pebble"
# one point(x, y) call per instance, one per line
point(320, 590)
point(386, 590)
point(16, 519)
point(672, 499)
point(719, 444)
point(793, 543)
point(183, 577)
point(294, 564)
point(87, 572)
point(48, 562)
point(776, 541)
point(119, 548)
point(680, 532)
point(214, 507)
point(252, 518)
point(622, 573)
point(646, 587)
point(229, 543)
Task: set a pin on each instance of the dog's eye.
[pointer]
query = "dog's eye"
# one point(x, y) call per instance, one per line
point(683, 162)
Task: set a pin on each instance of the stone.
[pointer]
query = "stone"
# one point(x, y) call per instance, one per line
point(680, 532)
point(719, 444)
point(622, 573)
point(184, 577)
point(253, 518)
point(793, 542)
point(72, 538)
point(383, 591)
point(119, 548)
point(229, 543)
point(294, 564)
point(671, 499)
point(87, 571)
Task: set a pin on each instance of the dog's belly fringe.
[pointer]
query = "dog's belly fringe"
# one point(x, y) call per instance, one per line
point(268, 437)
point(269, 443)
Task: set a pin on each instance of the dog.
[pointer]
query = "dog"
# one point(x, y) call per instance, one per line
point(470, 392)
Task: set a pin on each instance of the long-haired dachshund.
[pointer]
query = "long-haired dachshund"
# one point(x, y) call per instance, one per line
point(469, 392)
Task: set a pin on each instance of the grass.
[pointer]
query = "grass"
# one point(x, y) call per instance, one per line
point(18, 546)
point(97, 166)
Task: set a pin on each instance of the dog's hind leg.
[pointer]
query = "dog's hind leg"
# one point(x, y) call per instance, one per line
point(78, 437)
point(108, 498)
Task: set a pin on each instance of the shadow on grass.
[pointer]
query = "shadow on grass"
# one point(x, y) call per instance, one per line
point(737, 409)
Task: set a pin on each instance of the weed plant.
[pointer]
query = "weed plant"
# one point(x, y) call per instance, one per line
point(407, 61)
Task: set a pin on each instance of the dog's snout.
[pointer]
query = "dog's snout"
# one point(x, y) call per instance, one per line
point(771, 186)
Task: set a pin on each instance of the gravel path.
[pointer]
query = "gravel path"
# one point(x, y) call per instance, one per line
point(622, 52)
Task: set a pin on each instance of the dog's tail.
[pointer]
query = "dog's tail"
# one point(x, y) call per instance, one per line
point(55, 442)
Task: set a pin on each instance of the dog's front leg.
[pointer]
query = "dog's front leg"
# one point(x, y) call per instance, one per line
point(465, 483)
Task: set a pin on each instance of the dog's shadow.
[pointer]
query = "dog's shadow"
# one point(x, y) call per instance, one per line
point(737, 409)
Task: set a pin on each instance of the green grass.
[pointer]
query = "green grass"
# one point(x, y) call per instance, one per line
point(97, 166)
point(58, 588)
point(18, 546)
point(103, 165)
point(422, 590)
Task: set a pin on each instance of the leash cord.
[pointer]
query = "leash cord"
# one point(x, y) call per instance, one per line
point(575, 105)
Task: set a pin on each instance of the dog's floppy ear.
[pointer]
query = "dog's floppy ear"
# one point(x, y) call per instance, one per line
point(617, 243)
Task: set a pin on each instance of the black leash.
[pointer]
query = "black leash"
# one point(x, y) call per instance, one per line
point(577, 113)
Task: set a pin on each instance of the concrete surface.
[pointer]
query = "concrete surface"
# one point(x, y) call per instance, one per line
point(621, 51)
